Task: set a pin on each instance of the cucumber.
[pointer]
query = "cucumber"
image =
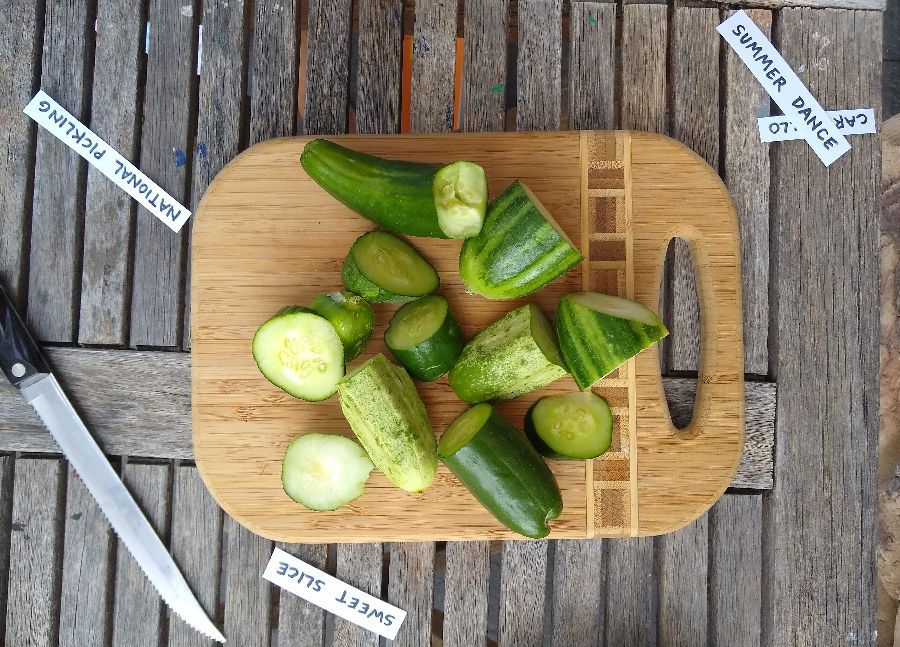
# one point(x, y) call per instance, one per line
point(407, 197)
point(504, 472)
point(385, 412)
point(520, 249)
point(299, 351)
point(323, 472)
point(425, 337)
point(509, 358)
point(598, 332)
point(383, 268)
point(351, 317)
point(572, 426)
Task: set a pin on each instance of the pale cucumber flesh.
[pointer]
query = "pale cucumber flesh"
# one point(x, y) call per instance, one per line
point(461, 430)
point(544, 337)
point(578, 425)
point(393, 265)
point(323, 472)
point(460, 198)
point(416, 322)
point(615, 307)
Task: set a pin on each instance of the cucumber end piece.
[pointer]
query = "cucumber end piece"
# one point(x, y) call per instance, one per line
point(619, 307)
point(463, 429)
point(323, 472)
point(544, 337)
point(460, 198)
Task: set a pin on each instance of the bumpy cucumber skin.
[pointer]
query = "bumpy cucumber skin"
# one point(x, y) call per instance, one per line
point(385, 412)
point(503, 362)
point(508, 477)
point(352, 318)
point(517, 251)
point(436, 355)
point(594, 344)
point(542, 447)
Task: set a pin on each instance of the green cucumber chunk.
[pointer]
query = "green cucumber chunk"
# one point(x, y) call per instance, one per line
point(381, 267)
point(351, 317)
point(502, 470)
point(323, 472)
point(460, 197)
point(425, 337)
point(299, 351)
point(571, 426)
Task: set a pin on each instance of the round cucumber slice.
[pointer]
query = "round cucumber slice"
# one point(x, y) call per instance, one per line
point(460, 198)
point(416, 322)
point(323, 472)
point(572, 426)
point(425, 337)
point(351, 317)
point(461, 430)
point(383, 268)
point(299, 351)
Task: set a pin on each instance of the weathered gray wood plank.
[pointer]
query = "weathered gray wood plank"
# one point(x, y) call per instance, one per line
point(433, 67)
point(301, 623)
point(7, 467)
point(411, 587)
point(358, 565)
point(746, 164)
point(87, 569)
point(644, 33)
point(539, 65)
point(20, 44)
point(820, 518)
point(327, 67)
point(57, 218)
point(196, 547)
point(630, 613)
point(248, 597)
point(683, 559)
point(109, 213)
point(592, 66)
point(166, 157)
point(274, 67)
point(35, 552)
point(735, 571)
point(579, 592)
point(482, 105)
point(466, 587)
point(523, 579)
point(378, 79)
point(871, 5)
point(138, 611)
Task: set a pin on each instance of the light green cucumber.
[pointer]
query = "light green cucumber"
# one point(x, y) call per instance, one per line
point(351, 317)
point(324, 471)
point(383, 268)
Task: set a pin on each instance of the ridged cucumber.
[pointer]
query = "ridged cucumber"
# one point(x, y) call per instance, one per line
point(385, 412)
point(598, 332)
point(352, 318)
point(383, 268)
point(509, 358)
point(571, 426)
point(407, 197)
point(504, 472)
point(520, 249)
point(425, 337)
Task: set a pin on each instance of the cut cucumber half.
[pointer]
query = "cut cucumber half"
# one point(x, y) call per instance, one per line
point(383, 268)
point(572, 426)
point(323, 472)
point(460, 197)
point(598, 332)
point(351, 317)
point(299, 351)
point(425, 337)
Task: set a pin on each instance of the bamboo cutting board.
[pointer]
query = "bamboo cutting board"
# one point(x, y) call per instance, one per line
point(266, 236)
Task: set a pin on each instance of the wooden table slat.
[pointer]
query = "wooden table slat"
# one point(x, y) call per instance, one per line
point(579, 592)
point(630, 613)
point(274, 69)
point(411, 587)
point(432, 106)
point(327, 67)
point(7, 468)
point(644, 33)
point(682, 564)
point(378, 76)
point(468, 565)
point(523, 589)
point(301, 623)
point(539, 65)
point(248, 597)
point(358, 565)
point(592, 66)
point(482, 103)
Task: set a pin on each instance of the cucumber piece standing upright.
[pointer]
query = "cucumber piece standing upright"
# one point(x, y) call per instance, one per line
point(299, 351)
point(571, 426)
point(520, 249)
point(323, 471)
point(504, 472)
point(509, 358)
point(598, 332)
point(383, 268)
point(425, 337)
point(385, 412)
point(407, 197)
point(351, 317)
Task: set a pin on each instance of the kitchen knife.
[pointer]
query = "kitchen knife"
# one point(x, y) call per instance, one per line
point(27, 370)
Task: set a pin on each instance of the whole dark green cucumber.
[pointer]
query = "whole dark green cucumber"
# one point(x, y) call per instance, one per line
point(407, 197)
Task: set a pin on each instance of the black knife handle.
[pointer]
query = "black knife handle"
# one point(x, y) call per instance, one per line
point(20, 357)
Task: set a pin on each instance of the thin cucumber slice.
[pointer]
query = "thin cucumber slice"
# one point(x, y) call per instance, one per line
point(351, 317)
point(461, 430)
point(323, 472)
point(425, 337)
point(572, 426)
point(460, 197)
point(383, 268)
point(299, 351)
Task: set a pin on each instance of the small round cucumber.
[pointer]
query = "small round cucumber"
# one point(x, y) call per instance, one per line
point(351, 317)
point(425, 337)
point(323, 472)
point(572, 426)
point(299, 351)
point(383, 268)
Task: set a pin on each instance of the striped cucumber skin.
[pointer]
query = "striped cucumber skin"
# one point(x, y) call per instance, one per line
point(385, 412)
point(503, 361)
point(518, 250)
point(433, 357)
point(508, 477)
point(594, 344)
point(352, 318)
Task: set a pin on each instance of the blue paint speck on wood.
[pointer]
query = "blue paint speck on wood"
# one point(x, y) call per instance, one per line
point(147, 41)
point(179, 158)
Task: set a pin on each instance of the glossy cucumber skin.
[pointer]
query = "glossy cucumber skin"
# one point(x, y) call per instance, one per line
point(436, 355)
point(508, 477)
point(352, 318)
point(354, 281)
point(517, 251)
point(396, 195)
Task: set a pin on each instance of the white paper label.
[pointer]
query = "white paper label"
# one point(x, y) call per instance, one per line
point(848, 122)
point(49, 114)
point(784, 86)
point(331, 594)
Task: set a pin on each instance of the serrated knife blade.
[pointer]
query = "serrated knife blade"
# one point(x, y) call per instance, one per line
point(27, 370)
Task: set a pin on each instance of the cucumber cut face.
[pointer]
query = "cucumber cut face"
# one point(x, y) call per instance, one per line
point(323, 472)
point(299, 351)
point(381, 267)
point(352, 318)
point(425, 337)
point(461, 430)
point(416, 322)
point(572, 426)
point(460, 198)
